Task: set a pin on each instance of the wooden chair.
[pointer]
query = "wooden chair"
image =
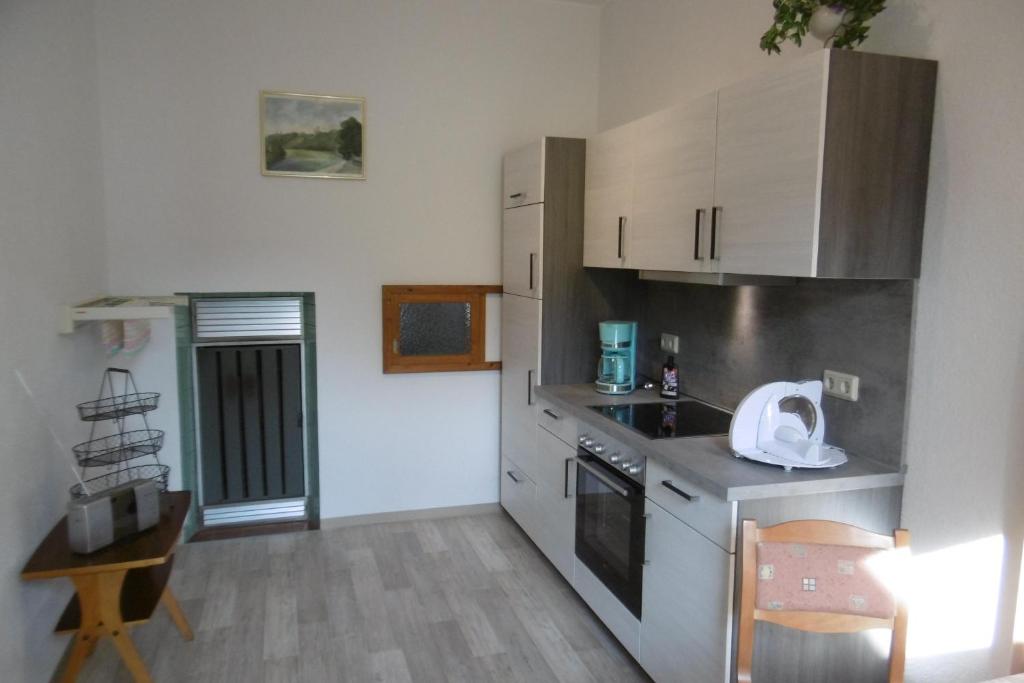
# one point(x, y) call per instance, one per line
point(783, 567)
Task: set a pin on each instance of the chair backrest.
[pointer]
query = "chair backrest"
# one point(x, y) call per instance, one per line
point(814, 575)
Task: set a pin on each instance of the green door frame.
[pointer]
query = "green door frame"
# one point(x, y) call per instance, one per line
point(186, 398)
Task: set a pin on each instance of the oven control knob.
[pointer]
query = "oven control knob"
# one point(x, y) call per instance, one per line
point(626, 465)
point(583, 438)
point(614, 457)
point(599, 448)
point(635, 469)
point(588, 442)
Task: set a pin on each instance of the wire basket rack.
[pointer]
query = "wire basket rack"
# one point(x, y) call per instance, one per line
point(116, 407)
point(116, 448)
point(158, 473)
point(119, 402)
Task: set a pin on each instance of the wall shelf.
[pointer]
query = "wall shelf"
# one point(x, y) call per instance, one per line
point(118, 308)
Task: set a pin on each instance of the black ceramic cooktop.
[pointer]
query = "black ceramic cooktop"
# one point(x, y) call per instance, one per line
point(670, 420)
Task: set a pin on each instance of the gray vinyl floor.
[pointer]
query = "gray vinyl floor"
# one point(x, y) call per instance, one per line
point(463, 599)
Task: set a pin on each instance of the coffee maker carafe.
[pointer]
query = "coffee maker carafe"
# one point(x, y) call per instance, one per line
point(616, 370)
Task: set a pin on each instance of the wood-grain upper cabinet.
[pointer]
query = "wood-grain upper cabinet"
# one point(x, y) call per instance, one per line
point(819, 168)
point(609, 197)
point(673, 187)
point(522, 237)
point(523, 173)
point(766, 183)
point(685, 631)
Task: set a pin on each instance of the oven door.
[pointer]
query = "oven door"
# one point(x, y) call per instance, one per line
point(610, 528)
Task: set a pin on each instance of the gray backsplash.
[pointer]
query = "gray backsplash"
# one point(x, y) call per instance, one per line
point(733, 339)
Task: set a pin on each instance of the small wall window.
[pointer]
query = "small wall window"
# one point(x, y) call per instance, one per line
point(437, 328)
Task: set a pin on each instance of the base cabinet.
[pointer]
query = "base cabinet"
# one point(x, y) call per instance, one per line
point(518, 495)
point(556, 501)
point(685, 631)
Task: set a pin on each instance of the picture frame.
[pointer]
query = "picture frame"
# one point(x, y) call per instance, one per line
point(306, 135)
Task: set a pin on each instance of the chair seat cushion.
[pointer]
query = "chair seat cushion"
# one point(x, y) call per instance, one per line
point(810, 577)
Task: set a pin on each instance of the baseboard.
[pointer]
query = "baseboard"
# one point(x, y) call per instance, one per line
point(328, 523)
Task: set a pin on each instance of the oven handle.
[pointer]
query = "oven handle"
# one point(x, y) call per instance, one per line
point(603, 478)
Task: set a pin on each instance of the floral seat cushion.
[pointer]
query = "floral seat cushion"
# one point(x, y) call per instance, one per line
point(810, 577)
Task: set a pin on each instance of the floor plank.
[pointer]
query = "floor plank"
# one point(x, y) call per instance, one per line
point(461, 600)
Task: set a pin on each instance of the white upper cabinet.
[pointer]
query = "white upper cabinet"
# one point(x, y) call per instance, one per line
point(609, 197)
point(522, 239)
point(770, 140)
point(816, 168)
point(523, 172)
point(673, 187)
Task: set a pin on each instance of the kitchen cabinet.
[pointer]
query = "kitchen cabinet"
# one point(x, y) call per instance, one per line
point(547, 297)
point(521, 255)
point(555, 500)
point(673, 188)
point(520, 365)
point(609, 197)
point(685, 632)
point(820, 169)
point(523, 175)
point(518, 495)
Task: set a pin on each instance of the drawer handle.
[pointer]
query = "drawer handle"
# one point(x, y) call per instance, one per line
point(517, 195)
point(552, 414)
point(512, 476)
point(690, 497)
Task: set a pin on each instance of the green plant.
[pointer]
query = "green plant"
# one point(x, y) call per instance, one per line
point(793, 16)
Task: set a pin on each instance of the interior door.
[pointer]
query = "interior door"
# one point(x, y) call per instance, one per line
point(520, 372)
point(673, 187)
point(522, 236)
point(770, 140)
point(608, 197)
point(250, 411)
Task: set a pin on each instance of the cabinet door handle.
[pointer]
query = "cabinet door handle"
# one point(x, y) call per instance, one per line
point(552, 414)
point(517, 195)
point(646, 562)
point(688, 496)
point(622, 230)
point(532, 256)
point(696, 235)
point(529, 387)
point(715, 212)
point(512, 476)
point(565, 488)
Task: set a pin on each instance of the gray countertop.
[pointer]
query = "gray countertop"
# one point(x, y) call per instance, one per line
point(708, 462)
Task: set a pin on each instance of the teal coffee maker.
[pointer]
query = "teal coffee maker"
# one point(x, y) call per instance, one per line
point(616, 371)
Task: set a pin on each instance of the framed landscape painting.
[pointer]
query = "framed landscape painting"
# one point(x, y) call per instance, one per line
point(312, 136)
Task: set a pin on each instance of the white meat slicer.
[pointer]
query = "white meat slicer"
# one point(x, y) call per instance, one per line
point(781, 423)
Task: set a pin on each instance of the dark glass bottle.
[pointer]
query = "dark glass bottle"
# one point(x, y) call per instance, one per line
point(670, 379)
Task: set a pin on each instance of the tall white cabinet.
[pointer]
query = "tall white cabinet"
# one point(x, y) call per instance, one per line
point(550, 310)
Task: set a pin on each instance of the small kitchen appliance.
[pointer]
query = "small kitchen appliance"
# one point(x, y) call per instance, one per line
point(781, 423)
point(616, 370)
point(98, 520)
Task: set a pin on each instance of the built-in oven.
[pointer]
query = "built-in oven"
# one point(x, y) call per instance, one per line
point(610, 518)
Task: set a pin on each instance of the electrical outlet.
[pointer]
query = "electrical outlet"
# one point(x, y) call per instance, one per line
point(842, 385)
point(669, 343)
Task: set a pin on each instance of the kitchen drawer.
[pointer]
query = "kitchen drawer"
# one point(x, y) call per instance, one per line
point(518, 494)
point(553, 462)
point(711, 516)
point(524, 176)
point(557, 421)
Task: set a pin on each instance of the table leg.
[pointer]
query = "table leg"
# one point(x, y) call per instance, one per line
point(176, 614)
point(89, 629)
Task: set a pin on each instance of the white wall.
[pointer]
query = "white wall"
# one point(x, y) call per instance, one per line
point(450, 85)
point(51, 252)
point(966, 436)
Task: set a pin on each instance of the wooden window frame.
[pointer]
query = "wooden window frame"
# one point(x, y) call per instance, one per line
point(393, 296)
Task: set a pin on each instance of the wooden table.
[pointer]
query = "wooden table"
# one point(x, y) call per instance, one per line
point(117, 587)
